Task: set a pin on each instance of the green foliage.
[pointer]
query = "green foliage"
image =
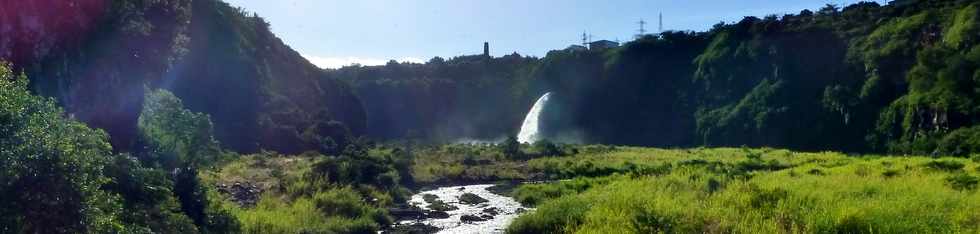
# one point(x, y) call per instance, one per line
point(303, 215)
point(446, 99)
point(360, 167)
point(532, 194)
point(448, 163)
point(147, 196)
point(511, 148)
point(961, 142)
point(546, 148)
point(946, 165)
point(964, 28)
point(176, 137)
point(963, 181)
point(560, 216)
point(705, 193)
point(51, 169)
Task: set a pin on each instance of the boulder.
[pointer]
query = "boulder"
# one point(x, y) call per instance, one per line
point(472, 199)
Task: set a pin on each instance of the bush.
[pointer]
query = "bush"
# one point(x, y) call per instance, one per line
point(961, 142)
point(546, 148)
point(945, 165)
point(346, 202)
point(889, 173)
point(963, 181)
point(148, 197)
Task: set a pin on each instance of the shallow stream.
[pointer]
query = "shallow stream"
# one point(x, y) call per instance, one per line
point(506, 209)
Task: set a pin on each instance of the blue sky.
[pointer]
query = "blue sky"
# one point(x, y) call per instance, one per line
point(332, 33)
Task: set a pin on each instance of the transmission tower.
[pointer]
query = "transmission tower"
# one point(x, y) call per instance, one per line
point(642, 30)
point(660, 26)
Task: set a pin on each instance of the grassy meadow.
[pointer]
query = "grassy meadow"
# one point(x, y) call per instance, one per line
point(737, 190)
point(611, 189)
point(293, 199)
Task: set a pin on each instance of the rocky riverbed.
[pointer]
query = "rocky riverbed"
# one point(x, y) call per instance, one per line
point(462, 209)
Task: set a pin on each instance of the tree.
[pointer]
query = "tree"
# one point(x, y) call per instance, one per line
point(510, 147)
point(175, 137)
point(50, 167)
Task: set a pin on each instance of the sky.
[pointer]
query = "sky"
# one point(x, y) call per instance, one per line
point(334, 33)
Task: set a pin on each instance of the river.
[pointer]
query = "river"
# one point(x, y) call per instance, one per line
point(506, 209)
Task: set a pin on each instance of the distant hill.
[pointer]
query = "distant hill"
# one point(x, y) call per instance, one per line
point(96, 56)
point(899, 78)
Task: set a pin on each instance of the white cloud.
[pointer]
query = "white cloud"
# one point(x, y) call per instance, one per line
point(338, 62)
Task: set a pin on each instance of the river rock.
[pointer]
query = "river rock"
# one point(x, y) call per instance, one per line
point(471, 218)
point(472, 199)
point(416, 228)
point(406, 213)
point(493, 211)
point(437, 215)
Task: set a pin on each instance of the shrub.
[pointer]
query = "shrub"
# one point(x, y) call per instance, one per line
point(767, 198)
point(889, 173)
point(963, 181)
point(346, 202)
point(961, 142)
point(945, 165)
point(816, 171)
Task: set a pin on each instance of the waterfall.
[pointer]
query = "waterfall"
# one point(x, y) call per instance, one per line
point(530, 130)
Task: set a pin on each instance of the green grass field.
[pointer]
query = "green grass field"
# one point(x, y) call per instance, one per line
point(732, 190)
point(606, 189)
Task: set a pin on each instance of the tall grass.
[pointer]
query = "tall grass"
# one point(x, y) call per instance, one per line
point(714, 191)
point(304, 215)
point(294, 202)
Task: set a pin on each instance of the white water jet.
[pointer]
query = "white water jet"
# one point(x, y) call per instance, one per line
point(530, 130)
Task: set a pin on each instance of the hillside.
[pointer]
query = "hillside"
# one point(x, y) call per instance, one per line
point(864, 78)
point(96, 56)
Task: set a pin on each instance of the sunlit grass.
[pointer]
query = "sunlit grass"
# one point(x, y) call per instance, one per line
point(292, 202)
point(709, 191)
